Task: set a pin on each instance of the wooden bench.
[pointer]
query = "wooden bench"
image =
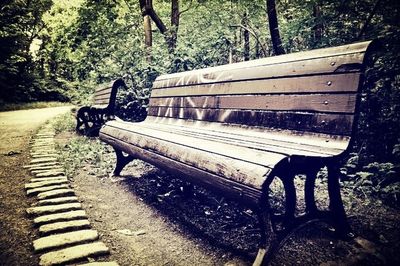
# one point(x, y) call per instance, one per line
point(89, 119)
point(235, 128)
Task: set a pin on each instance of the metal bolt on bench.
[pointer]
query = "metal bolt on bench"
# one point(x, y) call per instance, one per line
point(235, 128)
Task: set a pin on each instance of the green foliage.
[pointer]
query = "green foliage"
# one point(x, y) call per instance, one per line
point(64, 123)
point(31, 105)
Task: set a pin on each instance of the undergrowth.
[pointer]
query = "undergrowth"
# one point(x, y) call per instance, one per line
point(31, 105)
point(78, 152)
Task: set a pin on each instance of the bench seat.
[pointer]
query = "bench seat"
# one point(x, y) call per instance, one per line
point(240, 157)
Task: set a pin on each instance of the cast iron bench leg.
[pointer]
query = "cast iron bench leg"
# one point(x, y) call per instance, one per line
point(269, 241)
point(336, 204)
point(309, 196)
point(122, 161)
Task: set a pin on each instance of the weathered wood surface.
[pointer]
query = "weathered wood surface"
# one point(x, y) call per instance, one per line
point(329, 60)
point(335, 103)
point(314, 91)
point(340, 82)
point(238, 154)
point(333, 124)
point(213, 181)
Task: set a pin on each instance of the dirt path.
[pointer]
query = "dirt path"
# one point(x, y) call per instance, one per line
point(16, 233)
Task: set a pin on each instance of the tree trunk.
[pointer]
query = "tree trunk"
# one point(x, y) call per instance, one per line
point(147, 9)
point(318, 27)
point(246, 38)
point(175, 15)
point(273, 28)
point(148, 37)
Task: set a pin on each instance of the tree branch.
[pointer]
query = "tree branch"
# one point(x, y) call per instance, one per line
point(254, 35)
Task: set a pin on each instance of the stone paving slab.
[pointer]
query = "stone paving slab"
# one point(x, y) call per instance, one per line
point(47, 178)
point(101, 263)
point(64, 226)
point(45, 183)
point(64, 239)
point(46, 170)
point(43, 150)
point(43, 160)
point(41, 179)
point(56, 201)
point(56, 193)
point(35, 191)
point(44, 167)
point(44, 155)
point(35, 165)
point(73, 253)
point(63, 216)
point(47, 209)
point(50, 173)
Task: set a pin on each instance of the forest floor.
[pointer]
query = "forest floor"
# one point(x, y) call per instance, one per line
point(145, 218)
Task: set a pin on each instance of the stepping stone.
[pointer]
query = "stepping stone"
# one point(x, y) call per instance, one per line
point(44, 160)
point(45, 155)
point(35, 191)
point(45, 183)
point(43, 146)
point(42, 154)
point(43, 150)
point(47, 209)
point(56, 201)
point(50, 173)
point(60, 240)
point(57, 217)
point(64, 226)
point(45, 167)
point(46, 170)
point(56, 193)
point(101, 263)
point(40, 179)
point(73, 253)
point(30, 166)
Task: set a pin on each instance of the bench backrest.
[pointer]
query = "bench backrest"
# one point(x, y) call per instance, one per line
point(106, 94)
point(306, 92)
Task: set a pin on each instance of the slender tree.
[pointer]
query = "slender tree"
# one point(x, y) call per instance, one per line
point(273, 28)
point(246, 38)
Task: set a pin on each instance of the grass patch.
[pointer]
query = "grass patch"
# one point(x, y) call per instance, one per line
point(78, 152)
point(64, 123)
point(32, 105)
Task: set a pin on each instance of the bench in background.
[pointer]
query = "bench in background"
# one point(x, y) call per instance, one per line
point(89, 119)
point(236, 128)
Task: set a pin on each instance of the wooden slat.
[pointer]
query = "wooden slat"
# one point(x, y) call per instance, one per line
point(152, 139)
point(206, 155)
point(103, 101)
point(232, 189)
point(102, 97)
point(252, 134)
point(339, 124)
point(282, 143)
point(103, 92)
point(311, 84)
point(354, 51)
point(338, 103)
point(287, 69)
